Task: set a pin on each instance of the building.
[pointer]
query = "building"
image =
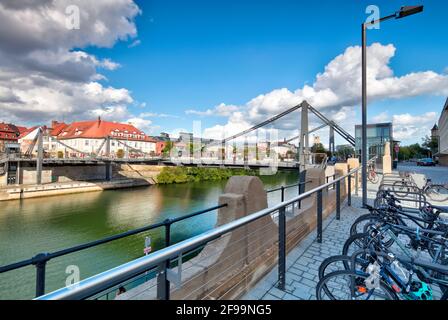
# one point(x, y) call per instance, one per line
point(87, 137)
point(377, 135)
point(27, 139)
point(9, 135)
point(442, 133)
point(161, 142)
point(316, 139)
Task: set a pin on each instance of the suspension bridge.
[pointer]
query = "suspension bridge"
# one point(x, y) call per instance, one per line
point(103, 156)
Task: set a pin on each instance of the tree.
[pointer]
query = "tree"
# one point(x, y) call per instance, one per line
point(167, 149)
point(343, 151)
point(431, 143)
point(413, 151)
point(318, 148)
point(120, 153)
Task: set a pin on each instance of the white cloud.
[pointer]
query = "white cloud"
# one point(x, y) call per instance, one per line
point(134, 44)
point(221, 110)
point(45, 74)
point(382, 117)
point(337, 90)
point(142, 124)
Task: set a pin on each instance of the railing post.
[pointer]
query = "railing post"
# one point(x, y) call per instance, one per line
point(338, 200)
point(319, 216)
point(349, 190)
point(301, 187)
point(40, 263)
point(281, 249)
point(283, 194)
point(163, 285)
point(167, 223)
point(356, 182)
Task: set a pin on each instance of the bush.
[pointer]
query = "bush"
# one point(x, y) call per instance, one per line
point(120, 153)
point(170, 175)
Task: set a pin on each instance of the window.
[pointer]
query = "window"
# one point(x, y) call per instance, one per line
point(86, 142)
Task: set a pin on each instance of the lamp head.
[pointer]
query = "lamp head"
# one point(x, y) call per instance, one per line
point(408, 11)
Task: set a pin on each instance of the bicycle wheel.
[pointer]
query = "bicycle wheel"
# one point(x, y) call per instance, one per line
point(401, 189)
point(349, 285)
point(437, 193)
point(353, 244)
point(332, 264)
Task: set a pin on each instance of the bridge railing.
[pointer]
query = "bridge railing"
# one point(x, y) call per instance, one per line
point(160, 260)
point(40, 260)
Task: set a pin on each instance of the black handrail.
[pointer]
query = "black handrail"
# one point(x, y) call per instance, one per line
point(40, 260)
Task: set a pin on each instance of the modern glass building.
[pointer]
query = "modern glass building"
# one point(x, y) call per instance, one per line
point(377, 135)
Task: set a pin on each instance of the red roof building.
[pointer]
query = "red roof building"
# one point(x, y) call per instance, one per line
point(9, 132)
point(101, 129)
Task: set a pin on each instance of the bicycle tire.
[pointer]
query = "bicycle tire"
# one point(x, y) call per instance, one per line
point(437, 188)
point(322, 285)
point(400, 193)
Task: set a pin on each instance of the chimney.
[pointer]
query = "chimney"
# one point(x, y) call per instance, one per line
point(54, 123)
point(99, 121)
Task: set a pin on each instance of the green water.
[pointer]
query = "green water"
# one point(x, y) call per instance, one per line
point(48, 224)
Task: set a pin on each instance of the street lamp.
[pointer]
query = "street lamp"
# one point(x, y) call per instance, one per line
point(404, 12)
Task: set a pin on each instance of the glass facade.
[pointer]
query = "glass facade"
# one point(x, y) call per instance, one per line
point(377, 135)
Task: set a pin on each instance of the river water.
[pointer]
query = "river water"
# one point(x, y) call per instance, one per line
point(48, 224)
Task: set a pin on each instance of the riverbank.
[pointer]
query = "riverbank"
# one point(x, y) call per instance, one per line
point(61, 188)
point(124, 176)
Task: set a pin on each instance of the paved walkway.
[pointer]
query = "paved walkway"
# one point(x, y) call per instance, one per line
point(303, 261)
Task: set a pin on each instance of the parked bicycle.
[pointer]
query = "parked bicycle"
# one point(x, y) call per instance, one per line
point(372, 175)
point(434, 191)
point(391, 254)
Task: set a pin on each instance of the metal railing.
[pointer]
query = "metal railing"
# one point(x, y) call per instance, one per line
point(161, 258)
point(40, 260)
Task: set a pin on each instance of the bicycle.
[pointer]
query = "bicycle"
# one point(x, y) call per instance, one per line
point(372, 175)
point(434, 191)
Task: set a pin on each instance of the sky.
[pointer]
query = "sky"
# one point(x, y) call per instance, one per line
point(165, 65)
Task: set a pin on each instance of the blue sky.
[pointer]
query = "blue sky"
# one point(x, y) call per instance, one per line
point(195, 55)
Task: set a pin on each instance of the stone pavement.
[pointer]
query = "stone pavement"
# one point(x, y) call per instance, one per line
point(302, 263)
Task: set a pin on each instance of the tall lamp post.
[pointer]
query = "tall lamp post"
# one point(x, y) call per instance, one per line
point(404, 12)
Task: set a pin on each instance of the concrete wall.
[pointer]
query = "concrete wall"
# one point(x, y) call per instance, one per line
point(62, 174)
point(51, 174)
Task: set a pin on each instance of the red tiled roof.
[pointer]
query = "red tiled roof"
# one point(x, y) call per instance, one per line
point(101, 129)
point(8, 131)
point(21, 129)
point(57, 128)
point(27, 132)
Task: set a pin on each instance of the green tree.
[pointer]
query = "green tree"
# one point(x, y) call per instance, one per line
point(167, 149)
point(120, 153)
point(431, 143)
point(318, 148)
point(343, 151)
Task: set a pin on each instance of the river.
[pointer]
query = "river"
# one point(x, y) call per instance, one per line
point(48, 224)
